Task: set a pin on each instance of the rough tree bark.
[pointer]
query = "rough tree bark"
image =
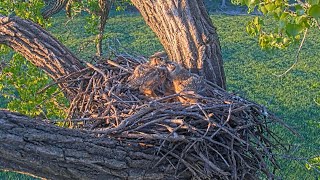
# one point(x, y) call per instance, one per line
point(27, 145)
point(185, 30)
point(40, 48)
point(52, 152)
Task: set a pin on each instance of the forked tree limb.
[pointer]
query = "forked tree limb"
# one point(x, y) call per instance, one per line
point(44, 150)
point(38, 46)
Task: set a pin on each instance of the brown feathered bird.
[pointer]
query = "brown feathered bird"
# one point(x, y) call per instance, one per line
point(158, 59)
point(148, 79)
point(190, 86)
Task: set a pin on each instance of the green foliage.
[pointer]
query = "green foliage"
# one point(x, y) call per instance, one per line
point(291, 20)
point(313, 163)
point(93, 9)
point(20, 83)
point(6, 175)
point(122, 5)
point(25, 9)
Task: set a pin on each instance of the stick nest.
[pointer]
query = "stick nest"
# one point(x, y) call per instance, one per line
point(222, 136)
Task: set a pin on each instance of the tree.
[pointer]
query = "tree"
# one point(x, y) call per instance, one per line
point(189, 37)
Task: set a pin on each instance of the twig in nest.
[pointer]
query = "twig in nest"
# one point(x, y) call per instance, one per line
point(125, 122)
point(64, 80)
point(223, 129)
point(118, 66)
point(98, 70)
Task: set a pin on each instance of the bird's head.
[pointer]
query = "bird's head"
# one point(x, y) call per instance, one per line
point(174, 69)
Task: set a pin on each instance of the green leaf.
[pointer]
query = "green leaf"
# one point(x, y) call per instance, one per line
point(314, 11)
point(263, 9)
point(270, 6)
point(293, 29)
point(313, 2)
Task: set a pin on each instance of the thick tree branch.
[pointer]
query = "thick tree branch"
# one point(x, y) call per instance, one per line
point(44, 150)
point(38, 46)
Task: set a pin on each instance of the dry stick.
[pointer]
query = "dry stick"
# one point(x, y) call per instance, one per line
point(63, 80)
point(235, 175)
point(186, 149)
point(188, 165)
point(48, 98)
point(147, 124)
point(125, 122)
point(284, 124)
point(86, 91)
point(208, 119)
point(228, 118)
point(239, 154)
point(119, 66)
point(267, 152)
point(115, 112)
point(168, 137)
point(219, 154)
point(141, 135)
point(262, 161)
point(297, 55)
point(88, 119)
point(165, 155)
point(201, 117)
point(98, 70)
point(212, 165)
point(193, 144)
point(164, 98)
point(92, 93)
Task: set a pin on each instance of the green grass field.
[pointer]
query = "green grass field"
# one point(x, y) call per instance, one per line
point(250, 73)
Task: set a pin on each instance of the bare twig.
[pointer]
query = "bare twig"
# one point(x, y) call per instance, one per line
point(297, 55)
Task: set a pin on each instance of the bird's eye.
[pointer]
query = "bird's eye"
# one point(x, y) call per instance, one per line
point(171, 67)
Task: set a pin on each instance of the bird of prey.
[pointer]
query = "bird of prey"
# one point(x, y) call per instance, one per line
point(190, 86)
point(148, 79)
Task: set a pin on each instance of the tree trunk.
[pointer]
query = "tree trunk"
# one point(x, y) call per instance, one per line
point(44, 150)
point(187, 34)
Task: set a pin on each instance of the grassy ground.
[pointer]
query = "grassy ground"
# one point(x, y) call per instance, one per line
point(250, 73)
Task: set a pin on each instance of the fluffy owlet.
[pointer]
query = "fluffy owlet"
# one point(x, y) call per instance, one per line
point(148, 79)
point(189, 85)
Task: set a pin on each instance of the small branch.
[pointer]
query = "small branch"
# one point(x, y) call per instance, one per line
point(297, 55)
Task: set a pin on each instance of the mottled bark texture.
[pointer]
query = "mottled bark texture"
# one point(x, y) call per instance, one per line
point(27, 145)
point(44, 150)
point(185, 30)
point(40, 48)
